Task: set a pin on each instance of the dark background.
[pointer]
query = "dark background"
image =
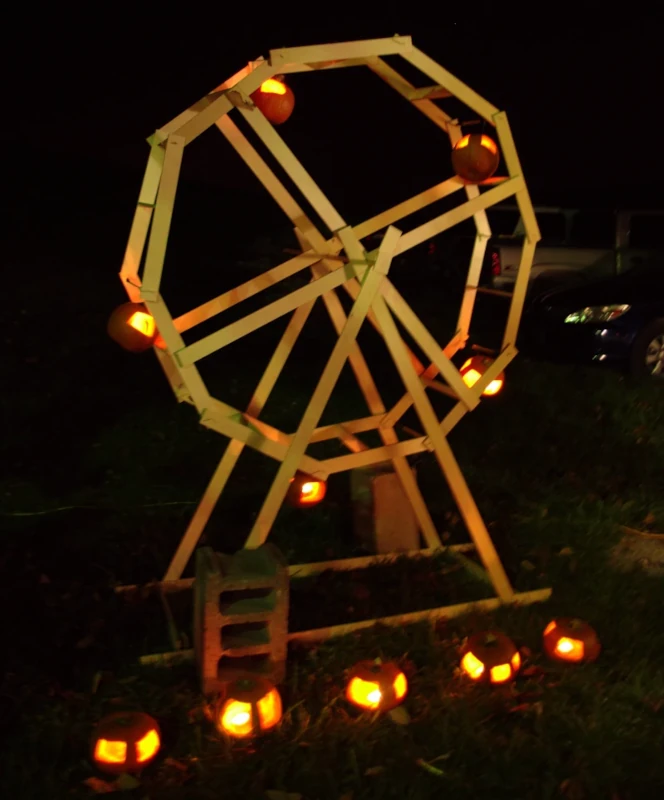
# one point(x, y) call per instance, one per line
point(88, 84)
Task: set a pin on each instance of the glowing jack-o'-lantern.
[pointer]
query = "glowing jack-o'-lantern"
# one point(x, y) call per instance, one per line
point(490, 658)
point(474, 368)
point(305, 490)
point(126, 741)
point(133, 328)
point(376, 686)
point(475, 157)
point(249, 706)
point(275, 99)
point(571, 640)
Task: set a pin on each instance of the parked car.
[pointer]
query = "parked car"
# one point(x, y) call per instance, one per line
point(617, 321)
point(576, 245)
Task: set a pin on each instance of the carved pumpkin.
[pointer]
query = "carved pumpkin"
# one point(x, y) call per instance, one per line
point(475, 157)
point(126, 741)
point(275, 100)
point(305, 490)
point(490, 658)
point(474, 368)
point(249, 706)
point(571, 640)
point(132, 327)
point(376, 686)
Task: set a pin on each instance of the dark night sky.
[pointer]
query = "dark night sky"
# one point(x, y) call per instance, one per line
point(580, 86)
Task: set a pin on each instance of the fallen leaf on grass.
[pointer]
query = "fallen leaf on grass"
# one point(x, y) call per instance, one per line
point(126, 782)
point(399, 715)
point(346, 796)
point(565, 551)
point(527, 565)
point(532, 671)
point(99, 786)
point(572, 789)
point(373, 771)
point(429, 768)
point(650, 519)
point(179, 765)
point(276, 794)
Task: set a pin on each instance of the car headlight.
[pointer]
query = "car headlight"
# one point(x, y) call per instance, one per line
point(597, 313)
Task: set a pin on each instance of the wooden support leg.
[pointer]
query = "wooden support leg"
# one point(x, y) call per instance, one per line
point(373, 277)
point(374, 402)
point(448, 464)
point(235, 448)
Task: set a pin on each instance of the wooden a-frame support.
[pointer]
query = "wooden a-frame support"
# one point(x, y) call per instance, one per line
point(339, 261)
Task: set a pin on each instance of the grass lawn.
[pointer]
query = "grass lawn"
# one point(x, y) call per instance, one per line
point(105, 472)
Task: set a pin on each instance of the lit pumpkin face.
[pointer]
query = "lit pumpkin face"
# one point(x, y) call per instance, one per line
point(248, 707)
point(571, 640)
point(490, 658)
point(126, 741)
point(132, 327)
point(275, 100)
point(305, 490)
point(375, 686)
point(474, 368)
point(475, 157)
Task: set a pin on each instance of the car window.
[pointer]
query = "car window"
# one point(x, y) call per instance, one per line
point(646, 231)
point(593, 229)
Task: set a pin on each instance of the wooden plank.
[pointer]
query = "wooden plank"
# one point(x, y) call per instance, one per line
point(210, 110)
point(430, 615)
point(406, 89)
point(293, 168)
point(236, 330)
point(360, 425)
point(371, 284)
point(519, 293)
point(340, 51)
point(410, 206)
point(429, 345)
point(375, 455)
point(444, 78)
point(248, 289)
point(317, 66)
point(236, 430)
point(163, 213)
point(458, 486)
point(376, 406)
point(430, 93)
point(459, 214)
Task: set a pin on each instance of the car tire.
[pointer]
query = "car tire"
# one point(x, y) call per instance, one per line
point(648, 343)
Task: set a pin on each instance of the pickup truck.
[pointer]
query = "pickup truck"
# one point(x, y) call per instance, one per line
point(577, 245)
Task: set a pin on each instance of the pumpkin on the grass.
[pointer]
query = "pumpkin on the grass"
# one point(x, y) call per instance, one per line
point(490, 657)
point(248, 706)
point(126, 741)
point(376, 686)
point(572, 640)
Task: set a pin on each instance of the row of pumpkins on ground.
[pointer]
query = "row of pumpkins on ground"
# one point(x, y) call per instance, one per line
point(129, 741)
